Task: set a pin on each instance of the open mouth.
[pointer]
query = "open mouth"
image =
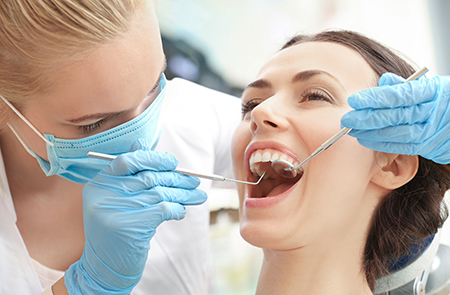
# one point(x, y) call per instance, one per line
point(272, 184)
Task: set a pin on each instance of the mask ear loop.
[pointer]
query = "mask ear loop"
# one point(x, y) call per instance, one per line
point(26, 122)
point(20, 140)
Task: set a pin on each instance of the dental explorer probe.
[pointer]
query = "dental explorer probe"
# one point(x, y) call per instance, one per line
point(214, 177)
point(287, 169)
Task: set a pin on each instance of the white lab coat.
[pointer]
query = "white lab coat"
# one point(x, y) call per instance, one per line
point(197, 127)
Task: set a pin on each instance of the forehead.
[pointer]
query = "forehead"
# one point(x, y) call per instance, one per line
point(114, 75)
point(347, 65)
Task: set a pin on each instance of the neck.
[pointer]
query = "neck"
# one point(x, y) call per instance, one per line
point(47, 208)
point(332, 266)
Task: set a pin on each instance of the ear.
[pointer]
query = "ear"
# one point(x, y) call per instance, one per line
point(394, 170)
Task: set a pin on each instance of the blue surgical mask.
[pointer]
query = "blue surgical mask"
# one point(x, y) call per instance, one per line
point(68, 157)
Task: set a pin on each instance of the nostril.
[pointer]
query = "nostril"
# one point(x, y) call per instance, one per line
point(270, 123)
point(254, 126)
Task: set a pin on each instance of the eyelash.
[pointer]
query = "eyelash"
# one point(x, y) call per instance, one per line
point(253, 103)
point(249, 106)
point(92, 127)
point(95, 126)
point(315, 93)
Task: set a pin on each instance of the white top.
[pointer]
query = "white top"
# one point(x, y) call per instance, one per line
point(47, 276)
point(197, 127)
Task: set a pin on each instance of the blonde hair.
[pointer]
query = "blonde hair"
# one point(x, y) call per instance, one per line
point(36, 36)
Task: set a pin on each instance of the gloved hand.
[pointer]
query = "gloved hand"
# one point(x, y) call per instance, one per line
point(122, 206)
point(403, 118)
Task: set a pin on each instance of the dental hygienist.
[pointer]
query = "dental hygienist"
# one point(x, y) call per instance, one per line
point(79, 76)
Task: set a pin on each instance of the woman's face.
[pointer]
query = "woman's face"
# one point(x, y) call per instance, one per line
point(116, 83)
point(293, 107)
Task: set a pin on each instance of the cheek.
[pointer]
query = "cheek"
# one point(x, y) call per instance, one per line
point(318, 124)
point(338, 186)
point(30, 138)
point(356, 164)
point(346, 167)
point(239, 142)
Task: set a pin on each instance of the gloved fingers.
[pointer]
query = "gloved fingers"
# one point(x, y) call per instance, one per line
point(417, 139)
point(440, 155)
point(399, 95)
point(168, 194)
point(130, 225)
point(380, 118)
point(425, 150)
point(140, 160)
point(390, 79)
point(140, 144)
point(153, 196)
point(163, 211)
point(149, 179)
point(134, 184)
point(389, 147)
point(408, 134)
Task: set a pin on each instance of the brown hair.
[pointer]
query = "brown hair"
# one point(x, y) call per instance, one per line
point(413, 212)
point(38, 36)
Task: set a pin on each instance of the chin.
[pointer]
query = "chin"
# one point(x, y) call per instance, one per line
point(265, 236)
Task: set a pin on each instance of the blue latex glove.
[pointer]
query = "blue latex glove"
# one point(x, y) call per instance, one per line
point(122, 206)
point(403, 118)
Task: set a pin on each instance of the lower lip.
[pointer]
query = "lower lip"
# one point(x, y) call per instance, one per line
point(267, 202)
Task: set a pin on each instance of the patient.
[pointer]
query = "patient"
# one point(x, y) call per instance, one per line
point(336, 228)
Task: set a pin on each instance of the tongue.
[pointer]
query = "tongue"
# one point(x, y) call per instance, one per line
point(279, 189)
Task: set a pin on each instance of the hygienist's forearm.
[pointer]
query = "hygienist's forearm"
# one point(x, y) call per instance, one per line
point(59, 288)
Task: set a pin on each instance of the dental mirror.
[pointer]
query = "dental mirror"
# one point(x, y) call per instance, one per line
point(287, 169)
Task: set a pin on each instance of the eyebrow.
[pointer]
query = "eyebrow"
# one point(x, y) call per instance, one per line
point(299, 77)
point(98, 116)
point(306, 75)
point(259, 84)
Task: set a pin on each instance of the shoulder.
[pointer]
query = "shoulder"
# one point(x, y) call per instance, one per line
point(191, 104)
point(181, 90)
point(198, 116)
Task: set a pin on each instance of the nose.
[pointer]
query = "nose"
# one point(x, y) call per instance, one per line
point(268, 116)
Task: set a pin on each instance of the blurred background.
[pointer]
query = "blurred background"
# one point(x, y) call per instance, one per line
point(222, 44)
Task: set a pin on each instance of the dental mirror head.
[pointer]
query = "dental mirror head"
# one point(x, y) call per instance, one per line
point(286, 169)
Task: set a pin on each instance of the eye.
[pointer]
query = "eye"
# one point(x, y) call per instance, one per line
point(248, 106)
point(92, 127)
point(316, 95)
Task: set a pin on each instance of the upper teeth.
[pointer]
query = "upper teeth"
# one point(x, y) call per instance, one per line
point(267, 155)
